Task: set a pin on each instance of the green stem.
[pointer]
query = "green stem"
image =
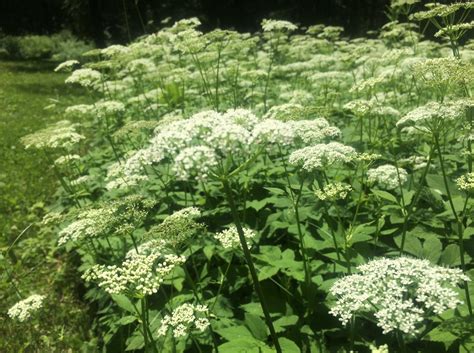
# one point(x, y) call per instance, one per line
point(352, 335)
point(415, 200)
point(401, 342)
point(295, 200)
point(250, 264)
point(458, 221)
point(144, 322)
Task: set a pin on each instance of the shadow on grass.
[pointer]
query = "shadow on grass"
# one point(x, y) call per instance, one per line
point(36, 66)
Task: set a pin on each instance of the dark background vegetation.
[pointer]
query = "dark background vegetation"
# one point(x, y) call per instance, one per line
point(119, 20)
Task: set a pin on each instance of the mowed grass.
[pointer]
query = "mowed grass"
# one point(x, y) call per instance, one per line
point(31, 96)
point(26, 179)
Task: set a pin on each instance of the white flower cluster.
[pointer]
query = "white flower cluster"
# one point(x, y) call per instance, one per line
point(80, 110)
point(401, 293)
point(121, 178)
point(89, 223)
point(460, 27)
point(322, 155)
point(387, 176)
point(195, 162)
point(333, 191)
point(359, 107)
point(66, 159)
point(112, 218)
point(432, 116)
point(229, 238)
point(25, 308)
point(196, 145)
point(59, 135)
point(416, 162)
point(184, 319)
point(66, 66)
point(380, 349)
point(466, 182)
point(85, 77)
point(436, 9)
point(278, 26)
point(178, 227)
point(108, 108)
point(139, 274)
point(81, 180)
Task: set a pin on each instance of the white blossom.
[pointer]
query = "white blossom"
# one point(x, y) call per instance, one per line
point(25, 308)
point(185, 319)
point(229, 238)
point(387, 176)
point(401, 293)
point(322, 155)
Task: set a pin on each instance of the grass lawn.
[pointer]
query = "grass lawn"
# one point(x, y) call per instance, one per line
point(27, 185)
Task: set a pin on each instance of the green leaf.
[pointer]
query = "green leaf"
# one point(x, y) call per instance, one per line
point(362, 233)
point(266, 272)
point(436, 183)
point(385, 195)
point(235, 333)
point(412, 245)
point(257, 205)
point(275, 191)
point(123, 302)
point(135, 342)
point(288, 346)
point(432, 248)
point(450, 255)
point(245, 345)
point(256, 326)
point(461, 328)
point(209, 251)
point(283, 322)
point(126, 320)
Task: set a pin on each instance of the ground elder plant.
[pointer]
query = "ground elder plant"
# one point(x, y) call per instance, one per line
point(290, 190)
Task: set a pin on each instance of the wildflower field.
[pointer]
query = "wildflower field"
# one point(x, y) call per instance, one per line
point(290, 190)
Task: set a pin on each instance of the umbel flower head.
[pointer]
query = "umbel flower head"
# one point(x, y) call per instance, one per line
point(62, 134)
point(229, 238)
point(119, 217)
point(185, 319)
point(333, 191)
point(178, 227)
point(66, 66)
point(322, 155)
point(466, 182)
point(400, 293)
point(432, 117)
point(25, 308)
point(85, 77)
point(387, 176)
point(278, 26)
point(141, 273)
